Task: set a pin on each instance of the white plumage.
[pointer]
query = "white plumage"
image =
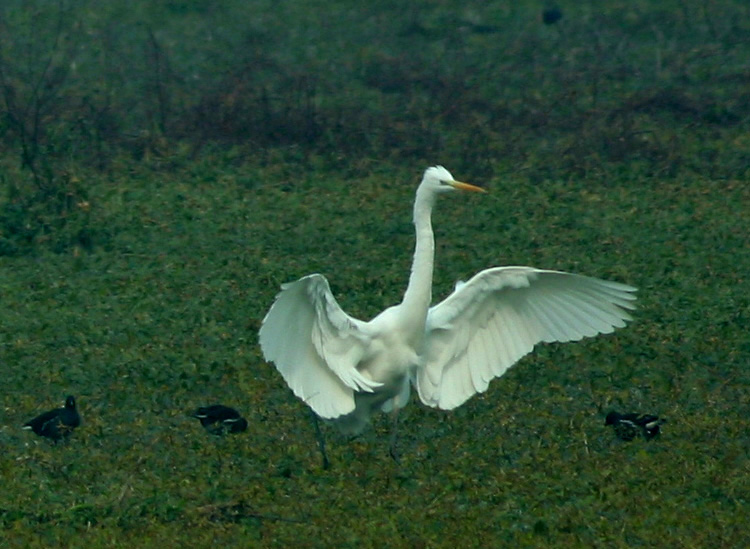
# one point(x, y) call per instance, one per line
point(346, 369)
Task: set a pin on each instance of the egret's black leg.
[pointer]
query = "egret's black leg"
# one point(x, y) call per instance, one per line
point(394, 435)
point(320, 439)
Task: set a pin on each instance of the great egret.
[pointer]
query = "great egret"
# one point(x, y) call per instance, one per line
point(346, 369)
point(58, 423)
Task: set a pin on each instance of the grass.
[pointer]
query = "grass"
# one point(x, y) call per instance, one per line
point(166, 319)
point(142, 293)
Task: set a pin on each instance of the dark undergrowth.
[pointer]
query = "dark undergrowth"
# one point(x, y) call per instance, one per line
point(656, 91)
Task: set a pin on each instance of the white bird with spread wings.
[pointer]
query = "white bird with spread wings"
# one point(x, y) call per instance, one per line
point(346, 369)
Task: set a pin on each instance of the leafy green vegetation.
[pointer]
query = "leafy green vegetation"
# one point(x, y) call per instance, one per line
point(189, 157)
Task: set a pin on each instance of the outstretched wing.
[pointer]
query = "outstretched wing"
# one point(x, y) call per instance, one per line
point(486, 325)
point(316, 346)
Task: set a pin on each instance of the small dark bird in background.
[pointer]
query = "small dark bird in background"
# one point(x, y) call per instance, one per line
point(627, 426)
point(58, 423)
point(550, 16)
point(219, 419)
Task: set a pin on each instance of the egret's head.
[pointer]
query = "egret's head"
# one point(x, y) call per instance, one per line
point(439, 180)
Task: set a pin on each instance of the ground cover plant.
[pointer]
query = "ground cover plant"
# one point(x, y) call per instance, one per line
point(167, 165)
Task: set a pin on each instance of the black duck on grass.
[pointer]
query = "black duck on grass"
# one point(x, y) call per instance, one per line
point(627, 426)
point(58, 423)
point(218, 419)
point(551, 16)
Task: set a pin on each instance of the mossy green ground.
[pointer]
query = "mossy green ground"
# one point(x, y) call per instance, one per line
point(157, 312)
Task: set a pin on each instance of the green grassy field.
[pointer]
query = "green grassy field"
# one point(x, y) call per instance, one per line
point(614, 144)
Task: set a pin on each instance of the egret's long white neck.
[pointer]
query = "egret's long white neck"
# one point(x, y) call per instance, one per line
point(419, 291)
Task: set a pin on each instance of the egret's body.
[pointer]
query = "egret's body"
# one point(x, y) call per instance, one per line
point(346, 369)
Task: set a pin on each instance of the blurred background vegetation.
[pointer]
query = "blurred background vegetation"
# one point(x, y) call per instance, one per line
point(654, 89)
point(166, 164)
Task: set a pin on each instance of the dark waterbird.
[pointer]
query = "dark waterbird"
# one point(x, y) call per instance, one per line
point(551, 16)
point(218, 419)
point(628, 426)
point(58, 423)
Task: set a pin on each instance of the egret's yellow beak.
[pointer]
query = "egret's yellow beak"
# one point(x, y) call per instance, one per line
point(466, 187)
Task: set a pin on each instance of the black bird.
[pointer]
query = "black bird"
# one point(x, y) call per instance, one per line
point(218, 419)
point(551, 16)
point(58, 423)
point(627, 426)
